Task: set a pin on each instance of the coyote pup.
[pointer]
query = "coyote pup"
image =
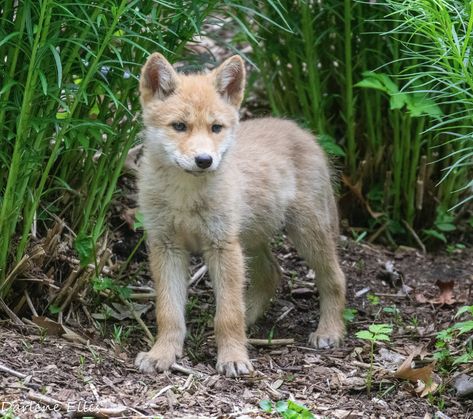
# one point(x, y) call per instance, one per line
point(213, 186)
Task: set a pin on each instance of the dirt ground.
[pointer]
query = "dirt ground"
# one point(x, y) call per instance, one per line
point(45, 376)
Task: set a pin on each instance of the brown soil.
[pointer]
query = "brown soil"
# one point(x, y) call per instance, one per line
point(99, 373)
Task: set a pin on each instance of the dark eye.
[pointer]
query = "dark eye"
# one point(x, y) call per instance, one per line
point(179, 126)
point(216, 128)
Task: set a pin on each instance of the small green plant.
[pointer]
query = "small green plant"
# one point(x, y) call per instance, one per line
point(43, 333)
point(349, 315)
point(414, 321)
point(108, 284)
point(358, 237)
point(455, 247)
point(119, 335)
point(394, 312)
point(9, 413)
point(375, 334)
point(54, 309)
point(95, 356)
point(373, 299)
point(287, 409)
point(443, 224)
point(450, 336)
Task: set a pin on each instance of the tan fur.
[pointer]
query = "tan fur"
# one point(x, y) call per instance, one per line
point(267, 174)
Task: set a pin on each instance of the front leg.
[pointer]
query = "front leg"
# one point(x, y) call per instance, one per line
point(169, 266)
point(226, 268)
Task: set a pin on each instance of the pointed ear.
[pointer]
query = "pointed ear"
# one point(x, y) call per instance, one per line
point(158, 78)
point(230, 80)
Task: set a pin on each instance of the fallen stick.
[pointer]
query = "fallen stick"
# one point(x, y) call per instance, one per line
point(152, 294)
point(270, 342)
point(13, 317)
point(179, 368)
point(198, 275)
point(138, 319)
point(4, 368)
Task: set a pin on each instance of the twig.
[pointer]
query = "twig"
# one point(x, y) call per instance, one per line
point(362, 292)
point(73, 261)
point(179, 368)
point(30, 304)
point(198, 275)
point(150, 295)
point(416, 237)
point(13, 317)
point(382, 294)
point(137, 318)
point(377, 233)
point(276, 394)
point(284, 314)
point(12, 372)
point(57, 299)
point(162, 391)
point(142, 296)
point(270, 342)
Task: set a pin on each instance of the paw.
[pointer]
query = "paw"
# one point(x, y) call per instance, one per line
point(325, 339)
point(149, 362)
point(235, 368)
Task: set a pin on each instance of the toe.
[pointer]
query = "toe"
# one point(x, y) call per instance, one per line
point(323, 341)
point(234, 368)
point(148, 362)
point(145, 363)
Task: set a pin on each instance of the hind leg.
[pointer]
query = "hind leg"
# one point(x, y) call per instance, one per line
point(315, 240)
point(264, 273)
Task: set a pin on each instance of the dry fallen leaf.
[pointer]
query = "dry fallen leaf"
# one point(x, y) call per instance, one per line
point(51, 327)
point(445, 295)
point(425, 379)
point(54, 328)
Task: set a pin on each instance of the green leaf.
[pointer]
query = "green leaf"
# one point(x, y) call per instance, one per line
point(435, 234)
point(382, 337)
point(446, 227)
point(54, 309)
point(349, 314)
point(138, 220)
point(281, 406)
point(266, 406)
point(464, 309)
point(380, 328)
point(371, 84)
point(378, 81)
point(330, 146)
point(419, 105)
point(290, 414)
point(63, 115)
point(397, 101)
point(464, 327)
point(463, 359)
point(102, 284)
point(365, 334)
point(84, 246)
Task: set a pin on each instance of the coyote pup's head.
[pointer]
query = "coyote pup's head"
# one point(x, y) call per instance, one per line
point(190, 119)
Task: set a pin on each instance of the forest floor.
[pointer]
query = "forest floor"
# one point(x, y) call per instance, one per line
point(83, 371)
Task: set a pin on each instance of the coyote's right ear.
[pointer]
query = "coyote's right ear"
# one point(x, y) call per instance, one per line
point(158, 78)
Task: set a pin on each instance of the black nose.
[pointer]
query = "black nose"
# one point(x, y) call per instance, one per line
point(204, 161)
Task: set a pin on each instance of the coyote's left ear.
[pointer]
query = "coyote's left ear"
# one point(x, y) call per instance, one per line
point(230, 80)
